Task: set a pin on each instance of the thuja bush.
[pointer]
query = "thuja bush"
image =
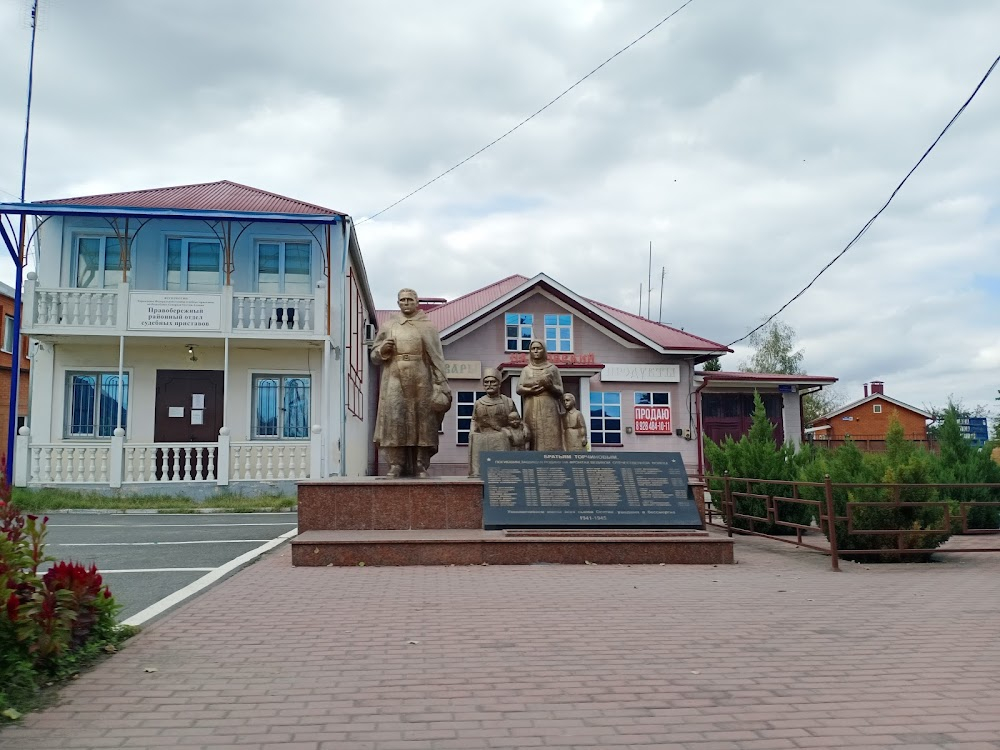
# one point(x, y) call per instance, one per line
point(756, 456)
point(961, 462)
point(51, 623)
point(917, 527)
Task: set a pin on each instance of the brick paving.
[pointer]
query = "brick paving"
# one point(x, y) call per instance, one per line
point(774, 652)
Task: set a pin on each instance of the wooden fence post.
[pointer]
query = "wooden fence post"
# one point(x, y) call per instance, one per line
point(831, 524)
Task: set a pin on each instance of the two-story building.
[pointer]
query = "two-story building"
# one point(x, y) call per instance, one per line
point(193, 337)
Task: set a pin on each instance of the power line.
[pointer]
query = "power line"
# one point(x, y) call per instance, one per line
point(878, 213)
point(529, 117)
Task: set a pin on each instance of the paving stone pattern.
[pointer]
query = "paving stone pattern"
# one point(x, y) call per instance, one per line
point(774, 652)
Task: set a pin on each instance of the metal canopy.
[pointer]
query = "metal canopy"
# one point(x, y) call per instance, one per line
point(62, 209)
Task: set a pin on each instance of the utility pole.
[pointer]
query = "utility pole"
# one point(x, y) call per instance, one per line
point(649, 281)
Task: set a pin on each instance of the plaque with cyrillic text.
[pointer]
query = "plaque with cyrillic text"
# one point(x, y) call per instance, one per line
point(537, 489)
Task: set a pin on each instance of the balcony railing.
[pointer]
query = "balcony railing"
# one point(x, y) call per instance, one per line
point(121, 310)
point(118, 462)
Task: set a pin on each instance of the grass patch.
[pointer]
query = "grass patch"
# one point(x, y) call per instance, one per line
point(51, 499)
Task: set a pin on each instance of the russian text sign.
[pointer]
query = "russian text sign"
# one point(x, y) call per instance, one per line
point(537, 489)
point(175, 312)
point(652, 420)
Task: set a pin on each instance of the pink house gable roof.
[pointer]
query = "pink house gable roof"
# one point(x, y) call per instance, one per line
point(209, 196)
point(464, 310)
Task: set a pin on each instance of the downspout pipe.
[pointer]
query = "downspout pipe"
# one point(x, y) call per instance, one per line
point(802, 413)
point(346, 232)
point(701, 439)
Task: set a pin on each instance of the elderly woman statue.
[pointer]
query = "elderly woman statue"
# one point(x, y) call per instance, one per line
point(414, 394)
point(490, 419)
point(541, 391)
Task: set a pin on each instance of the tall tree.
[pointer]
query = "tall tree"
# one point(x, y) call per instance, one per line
point(713, 365)
point(775, 352)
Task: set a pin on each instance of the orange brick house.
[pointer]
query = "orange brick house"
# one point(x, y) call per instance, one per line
point(866, 421)
point(6, 360)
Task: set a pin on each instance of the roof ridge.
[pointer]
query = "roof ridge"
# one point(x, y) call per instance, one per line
point(480, 289)
point(653, 322)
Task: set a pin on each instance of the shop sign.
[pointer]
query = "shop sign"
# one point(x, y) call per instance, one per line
point(175, 312)
point(630, 373)
point(464, 369)
point(652, 420)
point(558, 358)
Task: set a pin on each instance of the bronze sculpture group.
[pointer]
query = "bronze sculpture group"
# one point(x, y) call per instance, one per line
point(414, 397)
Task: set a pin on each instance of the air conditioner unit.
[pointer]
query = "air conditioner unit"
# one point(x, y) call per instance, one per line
point(370, 331)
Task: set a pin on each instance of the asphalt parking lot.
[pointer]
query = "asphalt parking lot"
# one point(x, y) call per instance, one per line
point(151, 561)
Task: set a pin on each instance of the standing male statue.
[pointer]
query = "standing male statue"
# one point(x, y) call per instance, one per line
point(414, 394)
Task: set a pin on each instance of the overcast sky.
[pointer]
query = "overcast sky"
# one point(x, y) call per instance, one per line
point(747, 140)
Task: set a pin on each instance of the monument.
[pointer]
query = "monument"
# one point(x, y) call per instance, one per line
point(491, 415)
point(414, 394)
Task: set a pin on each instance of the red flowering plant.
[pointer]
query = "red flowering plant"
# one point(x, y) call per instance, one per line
point(46, 620)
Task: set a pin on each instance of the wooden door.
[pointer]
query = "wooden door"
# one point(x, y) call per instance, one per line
point(188, 410)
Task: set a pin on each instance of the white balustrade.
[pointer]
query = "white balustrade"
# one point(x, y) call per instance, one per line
point(261, 312)
point(170, 462)
point(269, 461)
point(75, 307)
point(67, 463)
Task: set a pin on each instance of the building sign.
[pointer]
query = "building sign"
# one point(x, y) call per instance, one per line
point(555, 358)
point(174, 312)
point(629, 373)
point(465, 369)
point(652, 420)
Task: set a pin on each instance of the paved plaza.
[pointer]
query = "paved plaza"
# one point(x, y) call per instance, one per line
point(774, 652)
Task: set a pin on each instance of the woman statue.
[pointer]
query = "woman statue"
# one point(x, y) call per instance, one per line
point(518, 434)
point(541, 392)
point(490, 418)
point(414, 393)
point(575, 429)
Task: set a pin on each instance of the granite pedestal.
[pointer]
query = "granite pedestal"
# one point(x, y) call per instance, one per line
point(438, 521)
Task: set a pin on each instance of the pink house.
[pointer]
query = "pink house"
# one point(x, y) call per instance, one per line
point(634, 379)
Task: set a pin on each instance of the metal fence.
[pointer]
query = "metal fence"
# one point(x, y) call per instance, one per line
point(740, 502)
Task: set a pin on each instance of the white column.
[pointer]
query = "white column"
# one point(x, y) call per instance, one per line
point(116, 466)
point(45, 392)
point(791, 419)
point(222, 464)
point(227, 309)
point(122, 318)
point(22, 457)
point(316, 452)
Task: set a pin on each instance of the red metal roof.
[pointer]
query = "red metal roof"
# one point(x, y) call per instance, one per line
point(209, 196)
point(769, 377)
point(450, 313)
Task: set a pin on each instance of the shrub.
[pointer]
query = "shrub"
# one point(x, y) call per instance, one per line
point(756, 456)
point(902, 463)
point(50, 623)
point(960, 462)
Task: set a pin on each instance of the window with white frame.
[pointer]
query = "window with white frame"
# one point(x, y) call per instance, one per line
point(605, 418)
point(8, 333)
point(652, 398)
point(284, 268)
point(280, 406)
point(194, 265)
point(876, 408)
point(465, 402)
point(92, 400)
point(519, 331)
point(559, 333)
point(98, 262)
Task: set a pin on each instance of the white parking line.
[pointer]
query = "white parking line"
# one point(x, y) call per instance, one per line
point(166, 525)
point(156, 544)
point(206, 580)
point(155, 570)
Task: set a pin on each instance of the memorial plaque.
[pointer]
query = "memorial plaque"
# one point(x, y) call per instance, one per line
point(532, 489)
